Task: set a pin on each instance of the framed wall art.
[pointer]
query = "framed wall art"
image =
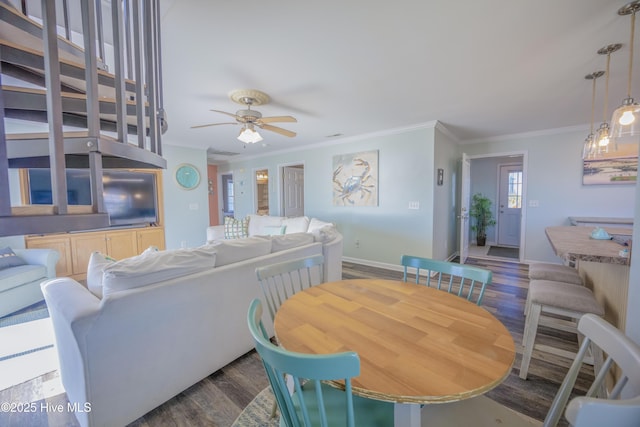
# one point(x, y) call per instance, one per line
point(618, 167)
point(355, 179)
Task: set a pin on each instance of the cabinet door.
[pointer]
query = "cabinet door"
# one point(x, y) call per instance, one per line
point(152, 236)
point(64, 267)
point(121, 244)
point(82, 245)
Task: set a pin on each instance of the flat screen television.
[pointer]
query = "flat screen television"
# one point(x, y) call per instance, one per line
point(129, 197)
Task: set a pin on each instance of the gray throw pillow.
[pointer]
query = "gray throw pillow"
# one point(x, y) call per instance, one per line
point(9, 259)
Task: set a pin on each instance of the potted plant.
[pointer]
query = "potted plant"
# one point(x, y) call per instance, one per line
point(481, 212)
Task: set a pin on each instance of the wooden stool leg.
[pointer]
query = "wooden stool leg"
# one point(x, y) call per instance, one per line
point(529, 338)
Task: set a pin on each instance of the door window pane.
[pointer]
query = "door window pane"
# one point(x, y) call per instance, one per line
point(515, 190)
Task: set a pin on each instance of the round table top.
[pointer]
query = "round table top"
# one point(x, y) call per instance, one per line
point(416, 344)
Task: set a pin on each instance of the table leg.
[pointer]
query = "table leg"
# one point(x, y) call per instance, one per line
point(406, 415)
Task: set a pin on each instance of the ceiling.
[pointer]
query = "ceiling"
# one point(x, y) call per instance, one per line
point(349, 68)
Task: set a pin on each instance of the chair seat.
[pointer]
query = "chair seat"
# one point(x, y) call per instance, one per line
point(368, 412)
point(554, 272)
point(479, 411)
point(565, 296)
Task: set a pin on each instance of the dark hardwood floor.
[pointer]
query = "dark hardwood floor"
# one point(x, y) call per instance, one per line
point(218, 399)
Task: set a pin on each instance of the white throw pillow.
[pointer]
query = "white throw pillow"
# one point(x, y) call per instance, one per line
point(95, 269)
point(230, 251)
point(298, 224)
point(153, 267)
point(315, 225)
point(324, 234)
point(288, 241)
point(258, 223)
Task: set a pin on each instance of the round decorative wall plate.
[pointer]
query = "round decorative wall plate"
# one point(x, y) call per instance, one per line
point(187, 176)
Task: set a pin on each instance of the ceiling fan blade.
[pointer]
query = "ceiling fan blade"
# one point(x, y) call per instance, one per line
point(278, 130)
point(275, 119)
point(224, 112)
point(213, 124)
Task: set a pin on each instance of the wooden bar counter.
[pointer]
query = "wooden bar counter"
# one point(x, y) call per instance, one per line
point(599, 263)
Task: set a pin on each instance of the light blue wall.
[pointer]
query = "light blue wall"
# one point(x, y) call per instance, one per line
point(385, 232)
point(445, 207)
point(186, 212)
point(555, 180)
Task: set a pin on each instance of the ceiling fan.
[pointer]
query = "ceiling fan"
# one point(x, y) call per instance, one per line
point(249, 119)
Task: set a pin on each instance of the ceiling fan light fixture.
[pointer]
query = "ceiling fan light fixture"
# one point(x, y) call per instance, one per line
point(625, 126)
point(249, 135)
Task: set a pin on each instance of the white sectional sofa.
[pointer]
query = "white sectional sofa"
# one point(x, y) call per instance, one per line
point(153, 325)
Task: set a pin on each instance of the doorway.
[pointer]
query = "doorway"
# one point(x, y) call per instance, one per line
point(262, 191)
point(292, 190)
point(501, 178)
point(227, 195)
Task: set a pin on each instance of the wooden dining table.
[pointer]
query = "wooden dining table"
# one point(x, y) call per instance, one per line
point(417, 345)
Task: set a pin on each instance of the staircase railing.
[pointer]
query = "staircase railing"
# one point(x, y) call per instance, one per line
point(136, 78)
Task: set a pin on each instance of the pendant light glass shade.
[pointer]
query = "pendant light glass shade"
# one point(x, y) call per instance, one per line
point(625, 123)
point(590, 148)
point(602, 140)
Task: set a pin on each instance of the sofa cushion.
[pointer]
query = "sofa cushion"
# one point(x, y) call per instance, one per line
point(315, 224)
point(21, 275)
point(288, 241)
point(274, 230)
point(95, 269)
point(9, 259)
point(153, 267)
point(236, 228)
point(299, 224)
point(258, 224)
point(230, 251)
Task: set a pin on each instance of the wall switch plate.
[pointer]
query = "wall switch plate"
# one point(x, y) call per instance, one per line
point(534, 203)
point(414, 205)
point(193, 206)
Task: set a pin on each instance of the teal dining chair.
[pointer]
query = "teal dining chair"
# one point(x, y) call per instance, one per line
point(312, 402)
point(281, 281)
point(464, 280)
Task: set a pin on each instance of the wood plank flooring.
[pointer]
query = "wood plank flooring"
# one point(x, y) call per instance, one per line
point(218, 399)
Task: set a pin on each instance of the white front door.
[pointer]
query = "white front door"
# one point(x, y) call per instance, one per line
point(510, 205)
point(463, 214)
point(293, 191)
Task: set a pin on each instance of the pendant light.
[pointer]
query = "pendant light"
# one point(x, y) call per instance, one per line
point(590, 147)
point(626, 119)
point(602, 134)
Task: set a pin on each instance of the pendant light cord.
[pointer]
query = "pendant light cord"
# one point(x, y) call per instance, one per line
point(606, 89)
point(593, 103)
point(633, 28)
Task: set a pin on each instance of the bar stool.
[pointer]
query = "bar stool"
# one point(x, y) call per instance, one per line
point(555, 272)
point(561, 299)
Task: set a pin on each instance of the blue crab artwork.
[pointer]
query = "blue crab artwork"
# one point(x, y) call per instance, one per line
point(355, 180)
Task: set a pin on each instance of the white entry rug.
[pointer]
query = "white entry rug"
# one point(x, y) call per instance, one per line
point(27, 351)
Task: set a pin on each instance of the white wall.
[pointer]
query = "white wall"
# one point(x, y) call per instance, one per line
point(186, 212)
point(555, 181)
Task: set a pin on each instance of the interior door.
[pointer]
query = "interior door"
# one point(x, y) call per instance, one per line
point(293, 191)
point(463, 214)
point(510, 205)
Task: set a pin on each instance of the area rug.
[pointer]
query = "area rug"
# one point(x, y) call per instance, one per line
point(27, 349)
point(504, 252)
point(258, 412)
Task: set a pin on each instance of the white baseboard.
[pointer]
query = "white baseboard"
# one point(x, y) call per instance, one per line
point(386, 266)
